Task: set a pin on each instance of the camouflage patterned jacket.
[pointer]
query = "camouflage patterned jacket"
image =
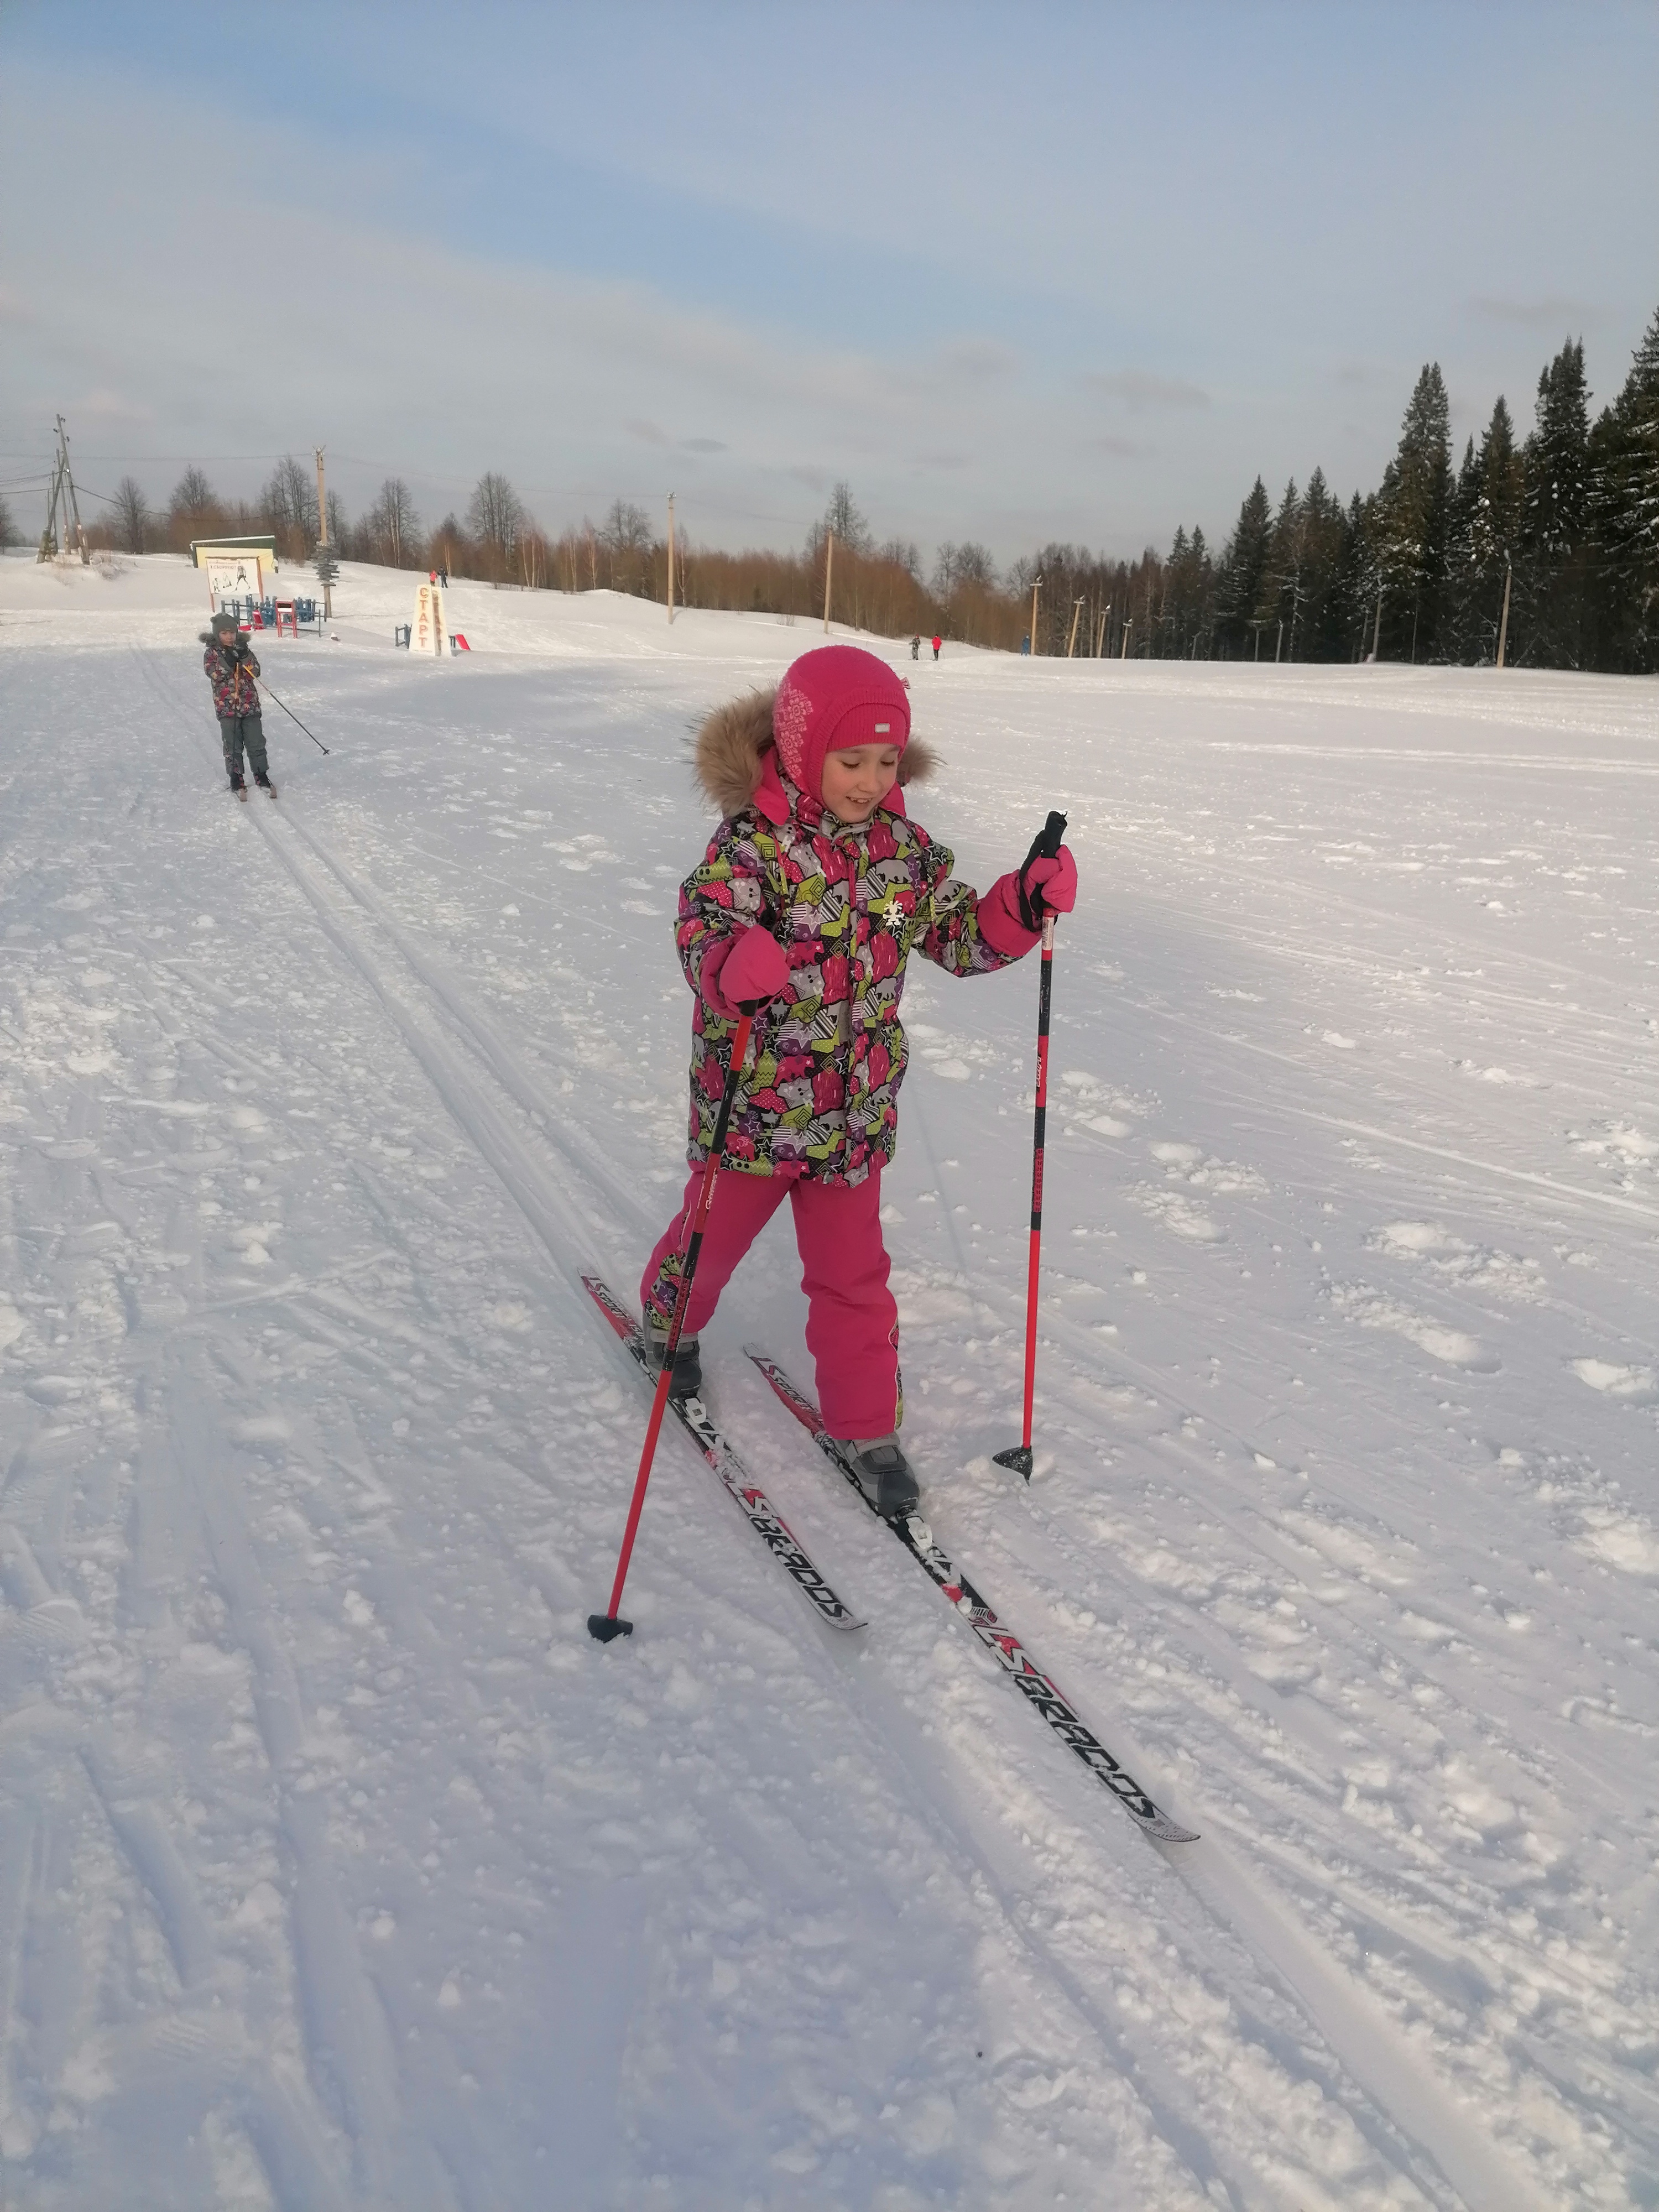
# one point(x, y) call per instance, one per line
point(234, 691)
point(848, 905)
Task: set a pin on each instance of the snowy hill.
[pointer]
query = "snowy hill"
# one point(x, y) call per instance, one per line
point(339, 1867)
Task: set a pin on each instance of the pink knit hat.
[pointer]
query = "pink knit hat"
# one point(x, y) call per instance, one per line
point(830, 701)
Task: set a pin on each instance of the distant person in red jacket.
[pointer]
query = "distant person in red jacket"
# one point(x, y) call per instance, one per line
point(937, 643)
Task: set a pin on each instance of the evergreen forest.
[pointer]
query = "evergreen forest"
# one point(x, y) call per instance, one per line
point(1546, 546)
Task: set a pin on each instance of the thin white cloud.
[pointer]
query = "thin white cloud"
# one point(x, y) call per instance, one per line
point(1140, 391)
point(1550, 314)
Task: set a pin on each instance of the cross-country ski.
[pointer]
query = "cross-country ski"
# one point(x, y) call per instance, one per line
point(739, 1485)
point(1005, 1646)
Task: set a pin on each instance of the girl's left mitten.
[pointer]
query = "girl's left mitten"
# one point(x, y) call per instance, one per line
point(742, 969)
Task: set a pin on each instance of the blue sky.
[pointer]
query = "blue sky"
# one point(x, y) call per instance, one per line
point(1016, 272)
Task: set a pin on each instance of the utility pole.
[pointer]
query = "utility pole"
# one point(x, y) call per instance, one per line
point(1128, 626)
point(1278, 642)
point(326, 563)
point(1503, 627)
point(828, 570)
point(1071, 642)
point(1376, 633)
point(671, 558)
point(1036, 587)
point(1100, 636)
point(63, 509)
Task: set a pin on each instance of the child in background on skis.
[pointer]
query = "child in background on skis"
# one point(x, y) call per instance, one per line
point(231, 669)
point(814, 891)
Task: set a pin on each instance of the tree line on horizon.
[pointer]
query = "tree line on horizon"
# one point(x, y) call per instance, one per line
point(1561, 527)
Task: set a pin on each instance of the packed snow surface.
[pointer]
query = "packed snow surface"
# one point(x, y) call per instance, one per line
point(340, 1868)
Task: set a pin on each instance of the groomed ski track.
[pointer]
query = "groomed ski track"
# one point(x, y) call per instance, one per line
point(1360, 2038)
point(1181, 1984)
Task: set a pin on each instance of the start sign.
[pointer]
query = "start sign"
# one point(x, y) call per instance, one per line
point(429, 631)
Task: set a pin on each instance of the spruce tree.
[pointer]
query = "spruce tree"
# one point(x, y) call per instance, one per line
point(1320, 630)
point(1624, 516)
point(1462, 621)
point(1238, 578)
point(1189, 597)
point(1414, 508)
point(1279, 600)
point(1494, 530)
point(1555, 571)
point(1360, 583)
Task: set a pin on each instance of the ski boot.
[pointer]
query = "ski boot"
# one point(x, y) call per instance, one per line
point(883, 1474)
point(265, 784)
point(239, 788)
point(688, 1360)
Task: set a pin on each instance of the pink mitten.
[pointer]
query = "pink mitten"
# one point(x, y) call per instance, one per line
point(1055, 880)
point(1048, 883)
point(744, 968)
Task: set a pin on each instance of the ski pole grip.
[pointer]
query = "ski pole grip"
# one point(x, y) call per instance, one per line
point(1045, 846)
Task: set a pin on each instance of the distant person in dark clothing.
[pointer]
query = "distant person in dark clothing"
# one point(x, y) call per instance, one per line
point(915, 648)
point(231, 669)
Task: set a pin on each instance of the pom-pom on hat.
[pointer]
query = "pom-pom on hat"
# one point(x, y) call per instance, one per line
point(830, 701)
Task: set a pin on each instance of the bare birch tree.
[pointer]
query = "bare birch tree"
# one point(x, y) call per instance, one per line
point(496, 516)
point(393, 527)
point(132, 519)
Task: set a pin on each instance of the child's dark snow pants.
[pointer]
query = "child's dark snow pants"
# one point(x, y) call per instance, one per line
point(237, 730)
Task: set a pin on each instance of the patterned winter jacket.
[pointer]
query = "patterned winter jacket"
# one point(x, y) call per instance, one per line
point(848, 905)
point(234, 691)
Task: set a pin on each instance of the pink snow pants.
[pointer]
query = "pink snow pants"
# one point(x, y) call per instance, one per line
point(851, 1321)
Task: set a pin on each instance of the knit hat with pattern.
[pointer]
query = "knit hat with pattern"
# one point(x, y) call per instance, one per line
point(830, 701)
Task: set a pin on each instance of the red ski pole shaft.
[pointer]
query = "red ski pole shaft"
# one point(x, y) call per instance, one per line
point(1047, 846)
point(604, 1625)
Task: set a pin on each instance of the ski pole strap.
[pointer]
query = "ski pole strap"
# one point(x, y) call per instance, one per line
point(1045, 846)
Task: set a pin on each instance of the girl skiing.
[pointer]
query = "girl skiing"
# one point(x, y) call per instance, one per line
point(813, 893)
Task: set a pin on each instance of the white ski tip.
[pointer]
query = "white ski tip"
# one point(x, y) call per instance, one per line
point(1164, 1830)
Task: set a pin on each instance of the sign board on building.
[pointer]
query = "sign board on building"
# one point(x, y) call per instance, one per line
point(233, 576)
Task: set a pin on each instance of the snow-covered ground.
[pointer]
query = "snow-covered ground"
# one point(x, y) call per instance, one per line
point(339, 1868)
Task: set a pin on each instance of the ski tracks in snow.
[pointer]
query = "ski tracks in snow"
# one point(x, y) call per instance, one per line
point(301, 2000)
point(1358, 2030)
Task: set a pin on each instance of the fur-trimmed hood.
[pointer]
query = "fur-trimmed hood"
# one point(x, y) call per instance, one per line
point(729, 750)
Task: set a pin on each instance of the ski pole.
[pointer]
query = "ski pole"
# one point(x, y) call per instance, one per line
point(603, 1626)
point(289, 712)
point(1046, 847)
